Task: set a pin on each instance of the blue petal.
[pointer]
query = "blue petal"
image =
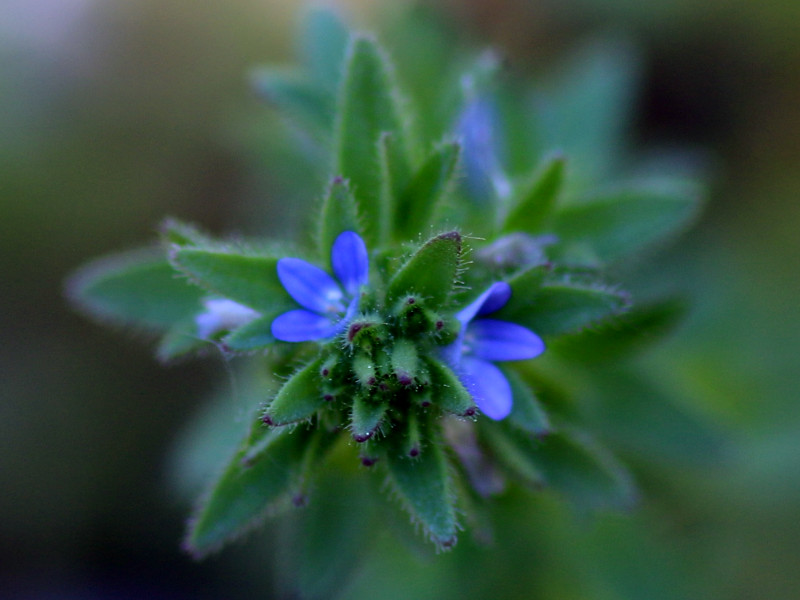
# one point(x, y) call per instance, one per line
point(489, 387)
point(350, 261)
point(500, 340)
point(310, 286)
point(489, 301)
point(303, 326)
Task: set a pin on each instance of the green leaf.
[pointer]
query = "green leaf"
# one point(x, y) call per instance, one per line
point(255, 481)
point(585, 473)
point(297, 97)
point(255, 334)
point(423, 484)
point(623, 335)
point(527, 413)
point(395, 174)
point(339, 213)
point(427, 190)
point(368, 107)
point(324, 43)
point(431, 272)
point(618, 223)
point(136, 288)
point(537, 199)
point(448, 393)
point(557, 308)
point(179, 341)
point(250, 280)
point(367, 416)
point(299, 398)
point(513, 449)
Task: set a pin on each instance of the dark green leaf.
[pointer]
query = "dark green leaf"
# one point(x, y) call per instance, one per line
point(557, 308)
point(423, 483)
point(621, 336)
point(427, 189)
point(619, 223)
point(257, 479)
point(537, 199)
point(585, 473)
point(431, 272)
point(250, 280)
point(368, 108)
point(448, 393)
point(339, 213)
point(526, 413)
point(136, 288)
point(513, 450)
point(299, 398)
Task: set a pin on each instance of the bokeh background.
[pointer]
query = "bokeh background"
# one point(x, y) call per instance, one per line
point(115, 114)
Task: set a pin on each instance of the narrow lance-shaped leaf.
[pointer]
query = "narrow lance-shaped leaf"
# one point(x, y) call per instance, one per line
point(253, 335)
point(299, 398)
point(557, 308)
point(513, 450)
point(619, 223)
point(368, 108)
point(339, 212)
point(431, 272)
point(366, 416)
point(137, 288)
point(324, 43)
point(448, 393)
point(256, 479)
point(423, 484)
point(427, 190)
point(537, 199)
point(296, 97)
point(527, 413)
point(248, 279)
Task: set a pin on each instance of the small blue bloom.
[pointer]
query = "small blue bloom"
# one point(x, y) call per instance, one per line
point(222, 314)
point(327, 305)
point(483, 341)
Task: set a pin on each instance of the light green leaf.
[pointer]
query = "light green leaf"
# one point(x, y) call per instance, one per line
point(299, 398)
point(431, 272)
point(423, 484)
point(250, 280)
point(324, 43)
point(426, 191)
point(255, 334)
point(368, 107)
point(367, 416)
point(513, 450)
point(179, 341)
point(618, 223)
point(537, 199)
point(136, 288)
point(448, 393)
point(296, 97)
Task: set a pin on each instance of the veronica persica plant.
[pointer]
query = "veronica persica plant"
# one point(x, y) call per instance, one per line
point(436, 324)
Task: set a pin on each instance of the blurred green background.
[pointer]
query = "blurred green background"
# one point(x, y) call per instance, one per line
point(115, 114)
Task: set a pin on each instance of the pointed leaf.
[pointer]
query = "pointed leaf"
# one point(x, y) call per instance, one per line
point(427, 189)
point(537, 199)
point(431, 272)
point(513, 450)
point(324, 43)
point(255, 480)
point(557, 308)
point(368, 107)
point(448, 393)
point(297, 98)
point(255, 334)
point(179, 341)
point(250, 280)
point(423, 483)
point(299, 398)
point(136, 288)
point(339, 213)
point(623, 335)
point(367, 416)
point(584, 472)
point(395, 172)
point(527, 413)
point(615, 224)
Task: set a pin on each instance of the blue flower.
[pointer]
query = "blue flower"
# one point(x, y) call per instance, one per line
point(327, 305)
point(481, 342)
